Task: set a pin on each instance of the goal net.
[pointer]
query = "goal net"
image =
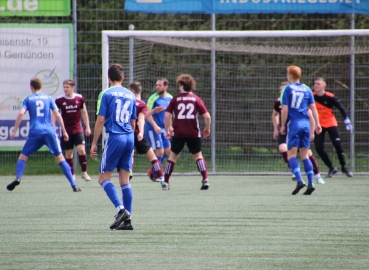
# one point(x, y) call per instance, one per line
point(238, 76)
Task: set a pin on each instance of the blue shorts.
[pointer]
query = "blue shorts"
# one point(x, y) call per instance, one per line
point(35, 142)
point(117, 152)
point(298, 134)
point(157, 141)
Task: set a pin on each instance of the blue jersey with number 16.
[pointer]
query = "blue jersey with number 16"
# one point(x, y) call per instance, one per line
point(118, 106)
point(297, 97)
point(38, 106)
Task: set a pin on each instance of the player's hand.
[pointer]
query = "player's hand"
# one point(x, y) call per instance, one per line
point(12, 135)
point(318, 129)
point(169, 133)
point(158, 109)
point(275, 134)
point(348, 125)
point(93, 151)
point(139, 136)
point(88, 132)
point(312, 136)
point(206, 132)
point(158, 130)
point(65, 136)
point(283, 130)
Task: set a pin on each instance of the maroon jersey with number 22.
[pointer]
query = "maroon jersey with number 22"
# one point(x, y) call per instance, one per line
point(185, 109)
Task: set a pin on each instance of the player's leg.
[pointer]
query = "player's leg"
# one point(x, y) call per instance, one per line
point(282, 148)
point(176, 149)
point(54, 146)
point(319, 141)
point(110, 158)
point(31, 145)
point(156, 143)
point(67, 146)
point(336, 141)
point(318, 177)
point(194, 146)
point(308, 166)
point(79, 142)
point(143, 147)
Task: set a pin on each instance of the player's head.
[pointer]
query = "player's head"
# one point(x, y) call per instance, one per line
point(187, 82)
point(161, 85)
point(35, 84)
point(68, 86)
point(135, 87)
point(115, 73)
point(283, 85)
point(319, 84)
point(293, 73)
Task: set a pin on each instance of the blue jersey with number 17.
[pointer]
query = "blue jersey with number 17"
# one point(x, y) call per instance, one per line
point(118, 105)
point(38, 106)
point(297, 97)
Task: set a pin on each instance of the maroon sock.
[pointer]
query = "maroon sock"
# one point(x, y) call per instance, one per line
point(201, 166)
point(285, 158)
point(71, 164)
point(315, 164)
point(168, 170)
point(157, 168)
point(83, 162)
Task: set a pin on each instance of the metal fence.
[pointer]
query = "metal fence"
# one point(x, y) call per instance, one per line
point(246, 84)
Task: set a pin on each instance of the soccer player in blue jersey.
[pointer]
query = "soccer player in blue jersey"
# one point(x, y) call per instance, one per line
point(296, 99)
point(154, 128)
point(116, 111)
point(41, 132)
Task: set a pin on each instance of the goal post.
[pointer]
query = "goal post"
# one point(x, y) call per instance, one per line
point(248, 68)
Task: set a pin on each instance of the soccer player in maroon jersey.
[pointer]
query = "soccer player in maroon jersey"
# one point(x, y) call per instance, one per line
point(141, 144)
point(72, 107)
point(182, 124)
point(281, 138)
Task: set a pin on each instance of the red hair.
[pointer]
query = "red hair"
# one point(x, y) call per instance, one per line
point(294, 72)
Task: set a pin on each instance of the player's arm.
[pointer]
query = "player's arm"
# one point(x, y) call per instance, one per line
point(284, 114)
point(312, 125)
point(99, 124)
point(152, 122)
point(347, 121)
point(86, 121)
point(314, 112)
point(275, 121)
point(207, 120)
point(18, 120)
point(140, 125)
point(155, 110)
point(59, 118)
point(168, 124)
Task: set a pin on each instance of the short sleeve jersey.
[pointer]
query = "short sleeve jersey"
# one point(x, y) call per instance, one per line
point(141, 107)
point(70, 109)
point(39, 107)
point(185, 108)
point(155, 100)
point(118, 105)
point(297, 97)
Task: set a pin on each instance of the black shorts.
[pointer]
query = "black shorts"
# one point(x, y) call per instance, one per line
point(193, 145)
point(143, 146)
point(282, 138)
point(75, 139)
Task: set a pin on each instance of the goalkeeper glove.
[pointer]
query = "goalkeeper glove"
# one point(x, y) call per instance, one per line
point(348, 124)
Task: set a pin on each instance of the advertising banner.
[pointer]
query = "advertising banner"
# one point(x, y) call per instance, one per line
point(34, 8)
point(249, 6)
point(44, 51)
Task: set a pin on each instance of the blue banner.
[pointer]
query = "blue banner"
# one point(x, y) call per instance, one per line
point(249, 6)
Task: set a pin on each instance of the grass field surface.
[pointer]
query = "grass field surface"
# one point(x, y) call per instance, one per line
point(241, 222)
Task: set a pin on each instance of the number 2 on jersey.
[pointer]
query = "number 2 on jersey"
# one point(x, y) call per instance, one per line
point(182, 108)
point(296, 99)
point(122, 113)
point(40, 105)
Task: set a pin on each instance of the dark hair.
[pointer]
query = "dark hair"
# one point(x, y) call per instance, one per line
point(165, 81)
point(187, 81)
point(320, 78)
point(36, 83)
point(115, 73)
point(136, 87)
point(70, 82)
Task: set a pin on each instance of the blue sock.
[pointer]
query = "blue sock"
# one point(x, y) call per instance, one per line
point(308, 166)
point(112, 193)
point(163, 158)
point(295, 168)
point(67, 172)
point(127, 197)
point(19, 168)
